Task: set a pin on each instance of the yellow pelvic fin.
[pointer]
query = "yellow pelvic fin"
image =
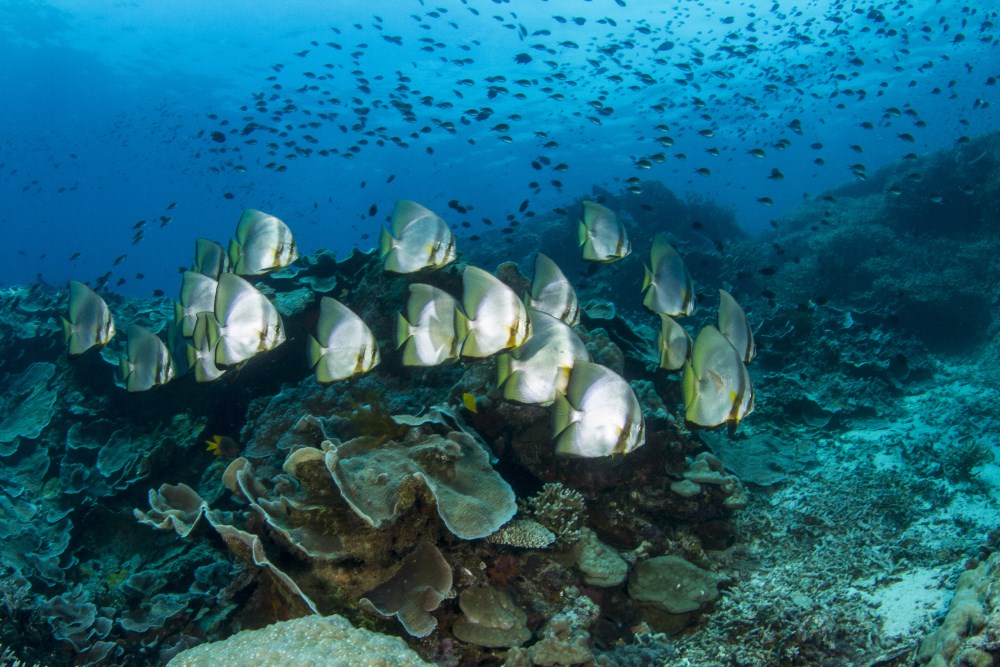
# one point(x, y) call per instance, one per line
point(315, 351)
point(504, 369)
point(385, 243)
point(404, 331)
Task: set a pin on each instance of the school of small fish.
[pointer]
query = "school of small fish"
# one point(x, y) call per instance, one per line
point(221, 321)
point(757, 84)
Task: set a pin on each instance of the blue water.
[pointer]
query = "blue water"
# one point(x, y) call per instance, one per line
point(109, 110)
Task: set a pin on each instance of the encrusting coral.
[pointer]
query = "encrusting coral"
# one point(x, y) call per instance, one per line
point(671, 588)
point(490, 618)
point(969, 634)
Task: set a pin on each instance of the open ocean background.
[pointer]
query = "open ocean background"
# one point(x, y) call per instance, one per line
point(109, 111)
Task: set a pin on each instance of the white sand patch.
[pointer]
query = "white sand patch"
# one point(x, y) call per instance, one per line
point(977, 509)
point(906, 605)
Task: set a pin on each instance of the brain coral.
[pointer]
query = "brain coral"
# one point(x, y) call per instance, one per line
point(312, 640)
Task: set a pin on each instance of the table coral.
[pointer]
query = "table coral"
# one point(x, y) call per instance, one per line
point(472, 499)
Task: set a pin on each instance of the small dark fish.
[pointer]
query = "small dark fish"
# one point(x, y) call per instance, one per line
point(372, 210)
point(157, 292)
point(171, 205)
point(228, 195)
point(218, 137)
point(522, 58)
point(768, 271)
point(74, 256)
point(119, 260)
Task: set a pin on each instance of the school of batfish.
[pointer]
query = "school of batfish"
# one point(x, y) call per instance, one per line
point(221, 320)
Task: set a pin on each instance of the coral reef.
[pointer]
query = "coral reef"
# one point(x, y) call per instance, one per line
point(822, 531)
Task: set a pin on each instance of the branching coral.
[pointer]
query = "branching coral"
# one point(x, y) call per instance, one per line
point(560, 509)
